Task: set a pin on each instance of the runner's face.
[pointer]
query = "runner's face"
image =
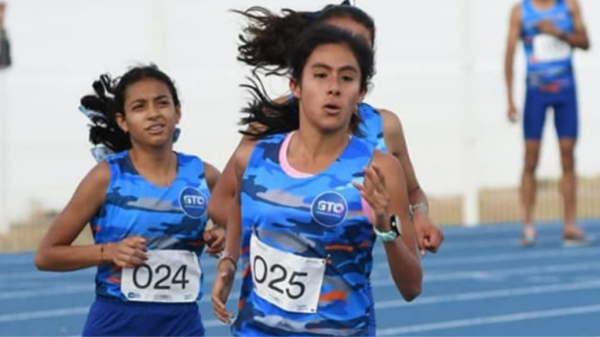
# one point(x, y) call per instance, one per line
point(150, 114)
point(329, 90)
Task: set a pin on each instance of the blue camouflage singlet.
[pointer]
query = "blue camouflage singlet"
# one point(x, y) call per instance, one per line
point(549, 59)
point(314, 217)
point(171, 217)
point(372, 126)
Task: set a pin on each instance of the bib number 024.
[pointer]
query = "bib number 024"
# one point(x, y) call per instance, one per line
point(170, 276)
point(160, 277)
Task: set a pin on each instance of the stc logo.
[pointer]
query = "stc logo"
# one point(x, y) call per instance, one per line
point(329, 209)
point(193, 202)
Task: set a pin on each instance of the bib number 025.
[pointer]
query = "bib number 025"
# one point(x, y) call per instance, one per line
point(280, 280)
point(286, 280)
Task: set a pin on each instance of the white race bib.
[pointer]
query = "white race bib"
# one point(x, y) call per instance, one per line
point(291, 282)
point(547, 48)
point(170, 276)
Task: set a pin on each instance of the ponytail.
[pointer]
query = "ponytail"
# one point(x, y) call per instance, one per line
point(109, 99)
point(101, 109)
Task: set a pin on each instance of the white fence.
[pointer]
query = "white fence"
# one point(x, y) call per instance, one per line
point(439, 68)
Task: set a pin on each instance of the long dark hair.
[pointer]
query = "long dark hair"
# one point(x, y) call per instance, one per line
point(109, 99)
point(266, 43)
point(284, 117)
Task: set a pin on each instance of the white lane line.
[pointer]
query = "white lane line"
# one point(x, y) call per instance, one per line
point(489, 320)
point(498, 293)
point(492, 274)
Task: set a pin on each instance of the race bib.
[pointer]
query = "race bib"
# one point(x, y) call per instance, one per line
point(291, 282)
point(547, 48)
point(168, 276)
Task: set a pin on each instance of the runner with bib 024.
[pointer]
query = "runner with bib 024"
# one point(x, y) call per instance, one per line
point(147, 207)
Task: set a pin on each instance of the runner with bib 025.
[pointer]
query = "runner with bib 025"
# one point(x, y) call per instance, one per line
point(313, 198)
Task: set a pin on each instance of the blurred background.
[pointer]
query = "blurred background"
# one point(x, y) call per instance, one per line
point(440, 68)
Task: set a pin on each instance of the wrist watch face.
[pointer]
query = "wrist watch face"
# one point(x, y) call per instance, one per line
point(395, 224)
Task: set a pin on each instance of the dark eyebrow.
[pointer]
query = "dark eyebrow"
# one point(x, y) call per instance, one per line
point(321, 65)
point(143, 100)
point(157, 98)
point(328, 67)
point(140, 100)
point(349, 68)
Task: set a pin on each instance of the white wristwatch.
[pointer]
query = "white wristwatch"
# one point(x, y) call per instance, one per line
point(396, 231)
